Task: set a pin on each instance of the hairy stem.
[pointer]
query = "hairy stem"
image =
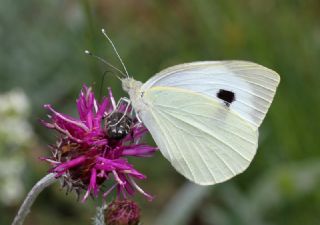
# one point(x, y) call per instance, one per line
point(31, 197)
point(98, 219)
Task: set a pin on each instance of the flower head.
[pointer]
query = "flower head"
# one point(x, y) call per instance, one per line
point(93, 148)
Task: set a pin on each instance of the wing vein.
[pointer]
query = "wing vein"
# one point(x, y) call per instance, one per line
point(177, 147)
point(218, 139)
point(194, 114)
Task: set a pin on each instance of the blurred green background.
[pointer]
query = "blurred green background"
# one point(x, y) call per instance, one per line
point(42, 61)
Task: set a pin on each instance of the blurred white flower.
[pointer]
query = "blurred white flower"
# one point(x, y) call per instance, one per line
point(15, 132)
point(11, 186)
point(15, 102)
point(14, 127)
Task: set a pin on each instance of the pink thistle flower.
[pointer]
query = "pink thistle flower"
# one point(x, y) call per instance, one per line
point(93, 148)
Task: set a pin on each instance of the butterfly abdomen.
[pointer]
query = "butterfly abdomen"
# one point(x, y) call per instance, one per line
point(118, 125)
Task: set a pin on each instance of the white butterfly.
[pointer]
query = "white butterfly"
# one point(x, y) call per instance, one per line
point(204, 116)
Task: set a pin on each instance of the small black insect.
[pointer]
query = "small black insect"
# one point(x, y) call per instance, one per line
point(227, 96)
point(118, 125)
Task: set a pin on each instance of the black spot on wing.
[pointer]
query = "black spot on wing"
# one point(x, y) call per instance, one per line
point(227, 96)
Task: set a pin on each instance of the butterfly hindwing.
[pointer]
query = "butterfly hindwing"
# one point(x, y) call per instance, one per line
point(202, 139)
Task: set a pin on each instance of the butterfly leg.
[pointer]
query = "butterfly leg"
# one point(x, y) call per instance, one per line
point(126, 101)
point(138, 118)
point(117, 107)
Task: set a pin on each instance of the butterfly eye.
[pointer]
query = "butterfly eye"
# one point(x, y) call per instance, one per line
point(227, 96)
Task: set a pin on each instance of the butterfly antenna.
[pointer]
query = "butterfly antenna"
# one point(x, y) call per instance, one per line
point(105, 62)
point(102, 83)
point(115, 50)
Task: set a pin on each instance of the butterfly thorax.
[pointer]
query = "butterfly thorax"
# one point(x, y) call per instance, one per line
point(133, 88)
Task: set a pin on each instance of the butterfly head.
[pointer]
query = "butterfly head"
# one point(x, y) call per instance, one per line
point(133, 88)
point(130, 85)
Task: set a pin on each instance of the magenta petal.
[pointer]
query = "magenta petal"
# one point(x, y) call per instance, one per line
point(109, 190)
point(134, 184)
point(107, 168)
point(128, 186)
point(66, 165)
point(139, 151)
point(102, 108)
point(139, 131)
point(93, 180)
point(136, 174)
point(64, 118)
point(89, 120)
point(113, 102)
point(92, 185)
point(46, 124)
point(81, 112)
point(100, 142)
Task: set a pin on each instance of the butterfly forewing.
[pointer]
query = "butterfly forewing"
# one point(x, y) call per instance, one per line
point(246, 88)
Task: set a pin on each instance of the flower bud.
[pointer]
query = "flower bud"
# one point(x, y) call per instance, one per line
point(122, 212)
